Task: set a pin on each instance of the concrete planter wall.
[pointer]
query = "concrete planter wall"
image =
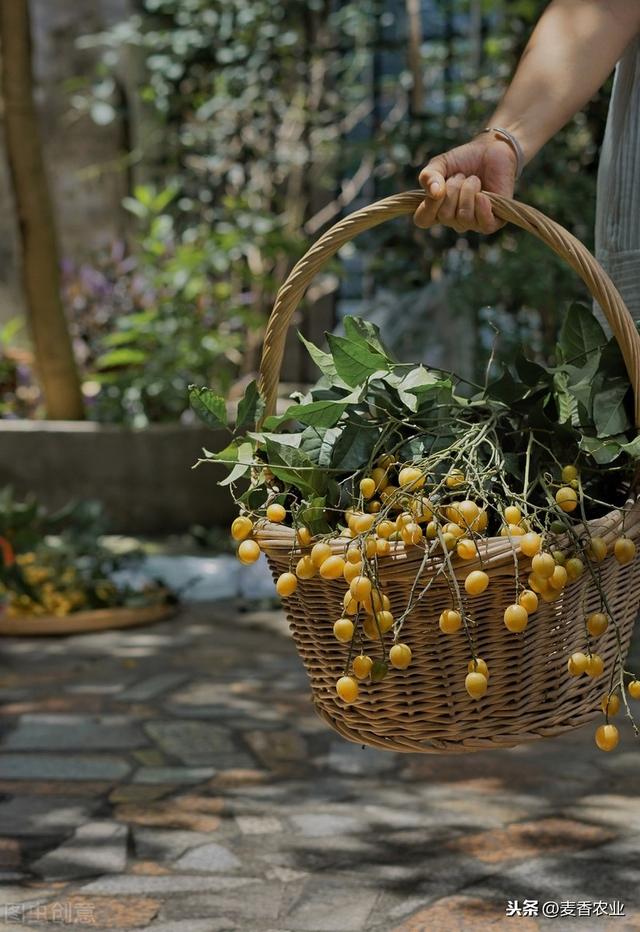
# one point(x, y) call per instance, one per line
point(143, 477)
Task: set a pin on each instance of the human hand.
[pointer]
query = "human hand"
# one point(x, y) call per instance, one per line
point(453, 182)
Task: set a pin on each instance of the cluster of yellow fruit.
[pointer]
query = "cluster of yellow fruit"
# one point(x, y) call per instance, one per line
point(607, 735)
point(55, 593)
point(389, 515)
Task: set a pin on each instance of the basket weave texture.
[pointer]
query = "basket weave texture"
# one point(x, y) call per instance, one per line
point(426, 708)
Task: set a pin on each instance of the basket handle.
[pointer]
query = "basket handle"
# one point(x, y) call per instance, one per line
point(555, 236)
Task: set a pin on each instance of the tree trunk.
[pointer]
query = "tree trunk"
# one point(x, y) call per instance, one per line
point(414, 55)
point(40, 261)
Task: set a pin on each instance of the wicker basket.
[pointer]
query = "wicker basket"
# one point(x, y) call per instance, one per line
point(426, 708)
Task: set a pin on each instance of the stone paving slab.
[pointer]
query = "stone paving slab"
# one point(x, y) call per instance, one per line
point(175, 779)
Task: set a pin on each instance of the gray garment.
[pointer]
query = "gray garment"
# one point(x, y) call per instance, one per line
point(617, 232)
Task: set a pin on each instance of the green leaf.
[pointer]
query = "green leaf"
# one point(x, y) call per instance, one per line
point(318, 444)
point(580, 335)
point(567, 403)
point(318, 413)
point(121, 357)
point(245, 462)
point(250, 408)
point(354, 447)
point(602, 451)
point(609, 413)
point(295, 468)
point(632, 447)
point(209, 407)
point(355, 362)
point(363, 331)
point(314, 517)
point(324, 361)
point(530, 372)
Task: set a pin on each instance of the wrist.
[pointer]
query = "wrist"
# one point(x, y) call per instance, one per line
point(528, 141)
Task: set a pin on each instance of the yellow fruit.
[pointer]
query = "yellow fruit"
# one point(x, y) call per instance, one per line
point(403, 519)
point(480, 523)
point(466, 549)
point(347, 689)
point(411, 534)
point(450, 621)
point(455, 479)
point(389, 496)
point(248, 552)
point(569, 473)
point(559, 557)
point(454, 530)
point(595, 665)
point(512, 530)
point(624, 550)
point(478, 666)
point(306, 568)
point(343, 629)
point(385, 620)
point(558, 579)
point(597, 549)
point(362, 523)
point(380, 478)
point(400, 656)
point(374, 507)
point(386, 461)
point(241, 528)
point(371, 547)
point(383, 547)
point(431, 530)
point(530, 544)
point(370, 628)
point(303, 535)
point(332, 567)
point(537, 584)
point(633, 688)
point(350, 604)
point(512, 515)
point(476, 582)
point(577, 664)
point(449, 540)
point(516, 618)
point(385, 529)
point(421, 509)
point(411, 478)
point(360, 588)
point(607, 737)
point(286, 585)
point(575, 568)
point(476, 685)
point(597, 624)
point(351, 570)
point(362, 666)
point(543, 565)
point(321, 552)
point(610, 704)
point(567, 498)
point(353, 555)
point(528, 600)
point(276, 513)
point(463, 513)
point(367, 487)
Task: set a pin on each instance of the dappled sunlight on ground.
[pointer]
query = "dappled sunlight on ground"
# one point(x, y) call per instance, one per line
point(176, 777)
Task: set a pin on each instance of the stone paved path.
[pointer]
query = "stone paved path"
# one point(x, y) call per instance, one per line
point(175, 778)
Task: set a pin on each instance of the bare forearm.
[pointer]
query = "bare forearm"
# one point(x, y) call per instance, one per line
point(571, 52)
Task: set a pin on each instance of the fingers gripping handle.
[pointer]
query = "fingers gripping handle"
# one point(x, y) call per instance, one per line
point(555, 236)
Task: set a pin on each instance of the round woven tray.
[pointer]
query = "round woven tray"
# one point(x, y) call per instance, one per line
point(426, 708)
point(83, 622)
